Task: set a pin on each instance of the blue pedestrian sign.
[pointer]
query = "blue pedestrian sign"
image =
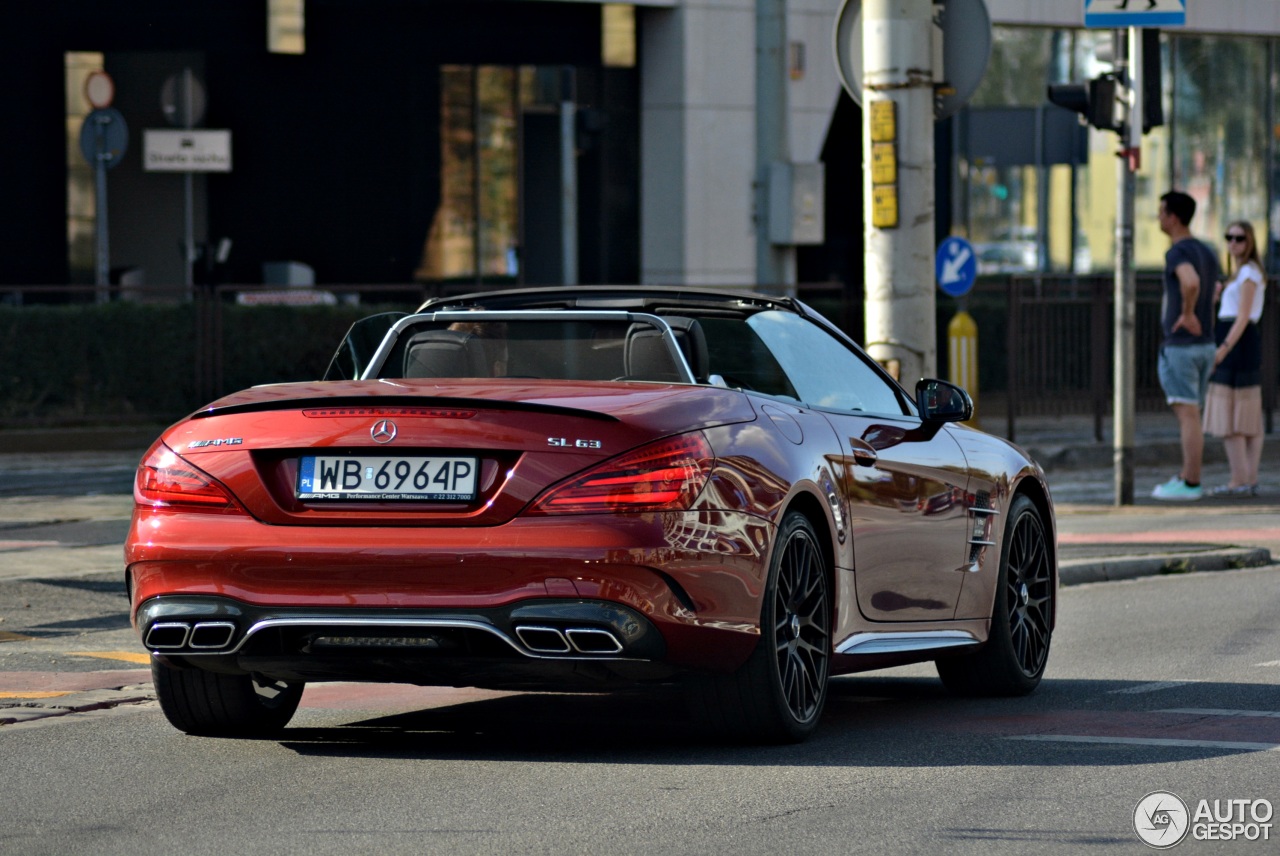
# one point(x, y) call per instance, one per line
point(1113, 14)
point(956, 266)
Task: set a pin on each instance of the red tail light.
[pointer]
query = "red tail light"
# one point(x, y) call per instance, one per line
point(165, 480)
point(663, 476)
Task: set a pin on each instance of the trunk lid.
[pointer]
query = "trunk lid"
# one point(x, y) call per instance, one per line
point(520, 436)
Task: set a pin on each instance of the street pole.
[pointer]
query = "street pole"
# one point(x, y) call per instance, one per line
point(897, 52)
point(568, 177)
point(102, 263)
point(1129, 67)
point(775, 263)
point(188, 191)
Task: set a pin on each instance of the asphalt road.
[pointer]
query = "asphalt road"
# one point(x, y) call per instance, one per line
point(1162, 683)
point(1165, 683)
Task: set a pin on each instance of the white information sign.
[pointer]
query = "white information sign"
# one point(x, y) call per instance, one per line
point(186, 151)
point(1114, 14)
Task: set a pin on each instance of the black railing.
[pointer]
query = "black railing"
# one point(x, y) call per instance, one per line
point(1045, 345)
point(1059, 348)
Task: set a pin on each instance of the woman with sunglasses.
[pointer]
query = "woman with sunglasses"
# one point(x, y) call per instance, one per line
point(1233, 407)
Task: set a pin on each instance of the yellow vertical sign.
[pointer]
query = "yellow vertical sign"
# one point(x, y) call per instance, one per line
point(884, 124)
point(884, 206)
point(884, 164)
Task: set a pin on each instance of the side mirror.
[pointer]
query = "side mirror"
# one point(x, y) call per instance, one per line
point(939, 401)
point(359, 346)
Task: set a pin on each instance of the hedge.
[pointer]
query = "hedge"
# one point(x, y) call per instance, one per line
point(126, 362)
point(133, 362)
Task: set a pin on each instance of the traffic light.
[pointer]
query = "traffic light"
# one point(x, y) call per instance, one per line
point(1101, 101)
point(1152, 90)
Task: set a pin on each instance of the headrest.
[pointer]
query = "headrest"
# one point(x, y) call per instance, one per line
point(445, 353)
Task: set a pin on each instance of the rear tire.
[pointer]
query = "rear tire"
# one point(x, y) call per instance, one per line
point(218, 705)
point(1014, 657)
point(777, 696)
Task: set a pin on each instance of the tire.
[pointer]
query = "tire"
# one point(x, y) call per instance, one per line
point(1013, 659)
point(218, 705)
point(777, 696)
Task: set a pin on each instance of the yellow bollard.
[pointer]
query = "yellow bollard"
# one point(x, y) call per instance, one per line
point(962, 364)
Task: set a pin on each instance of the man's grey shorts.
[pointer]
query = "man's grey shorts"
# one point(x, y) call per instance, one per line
point(1184, 372)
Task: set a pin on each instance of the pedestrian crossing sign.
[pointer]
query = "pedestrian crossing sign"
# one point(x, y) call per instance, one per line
point(1113, 14)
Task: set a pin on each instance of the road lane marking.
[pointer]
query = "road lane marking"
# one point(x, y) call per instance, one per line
point(6, 636)
point(1205, 711)
point(1150, 741)
point(27, 545)
point(1268, 663)
point(127, 656)
point(1150, 688)
point(1181, 536)
point(33, 694)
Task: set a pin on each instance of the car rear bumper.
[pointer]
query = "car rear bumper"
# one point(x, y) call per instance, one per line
point(545, 643)
point(696, 576)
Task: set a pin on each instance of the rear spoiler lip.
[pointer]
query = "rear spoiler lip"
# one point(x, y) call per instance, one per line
point(306, 402)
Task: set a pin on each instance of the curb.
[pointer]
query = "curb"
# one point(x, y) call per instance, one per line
point(1079, 571)
point(1151, 452)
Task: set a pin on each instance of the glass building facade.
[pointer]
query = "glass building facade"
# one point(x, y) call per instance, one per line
point(1218, 143)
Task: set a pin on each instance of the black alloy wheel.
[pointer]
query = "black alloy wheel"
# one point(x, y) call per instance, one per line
point(777, 696)
point(1014, 657)
point(1029, 594)
point(801, 625)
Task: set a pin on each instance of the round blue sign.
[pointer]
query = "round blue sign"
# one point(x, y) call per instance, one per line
point(956, 266)
point(104, 137)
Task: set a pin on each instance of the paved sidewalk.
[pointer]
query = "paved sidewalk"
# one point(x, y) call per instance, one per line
point(1099, 541)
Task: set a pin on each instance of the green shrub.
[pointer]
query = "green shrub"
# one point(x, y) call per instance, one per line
point(129, 362)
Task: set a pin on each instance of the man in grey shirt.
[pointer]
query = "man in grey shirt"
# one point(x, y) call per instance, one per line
point(1187, 350)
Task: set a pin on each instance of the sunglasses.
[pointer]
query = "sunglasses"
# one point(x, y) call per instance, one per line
point(1233, 238)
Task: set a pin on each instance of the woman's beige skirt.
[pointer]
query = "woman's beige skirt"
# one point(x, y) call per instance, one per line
point(1233, 410)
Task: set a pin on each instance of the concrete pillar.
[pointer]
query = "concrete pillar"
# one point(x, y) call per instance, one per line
point(897, 38)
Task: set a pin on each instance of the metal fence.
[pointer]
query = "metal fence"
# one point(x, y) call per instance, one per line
point(1045, 345)
point(1059, 354)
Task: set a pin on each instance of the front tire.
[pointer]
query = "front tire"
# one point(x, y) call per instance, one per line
point(1017, 650)
point(218, 705)
point(777, 696)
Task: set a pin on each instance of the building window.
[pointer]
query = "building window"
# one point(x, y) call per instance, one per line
point(286, 26)
point(81, 197)
point(475, 234)
point(1221, 129)
point(618, 35)
point(1216, 144)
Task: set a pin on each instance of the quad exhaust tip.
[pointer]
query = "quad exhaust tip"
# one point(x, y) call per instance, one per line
point(210, 636)
point(583, 640)
point(203, 636)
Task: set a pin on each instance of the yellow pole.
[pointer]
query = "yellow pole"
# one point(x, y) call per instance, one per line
point(962, 347)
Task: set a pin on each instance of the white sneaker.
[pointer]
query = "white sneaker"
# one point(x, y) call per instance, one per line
point(1177, 490)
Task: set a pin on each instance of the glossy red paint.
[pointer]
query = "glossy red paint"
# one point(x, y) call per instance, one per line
point(906, 513)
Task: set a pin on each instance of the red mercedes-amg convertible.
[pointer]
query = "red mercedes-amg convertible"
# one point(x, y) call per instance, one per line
point(586, 489)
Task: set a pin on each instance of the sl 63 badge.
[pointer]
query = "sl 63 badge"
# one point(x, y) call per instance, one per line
point(573, 444)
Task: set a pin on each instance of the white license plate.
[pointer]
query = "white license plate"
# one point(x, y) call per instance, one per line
point(387, 477)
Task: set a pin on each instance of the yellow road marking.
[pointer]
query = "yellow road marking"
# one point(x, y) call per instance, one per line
point(33, 694)
point(6, 636)
point(127, 656)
